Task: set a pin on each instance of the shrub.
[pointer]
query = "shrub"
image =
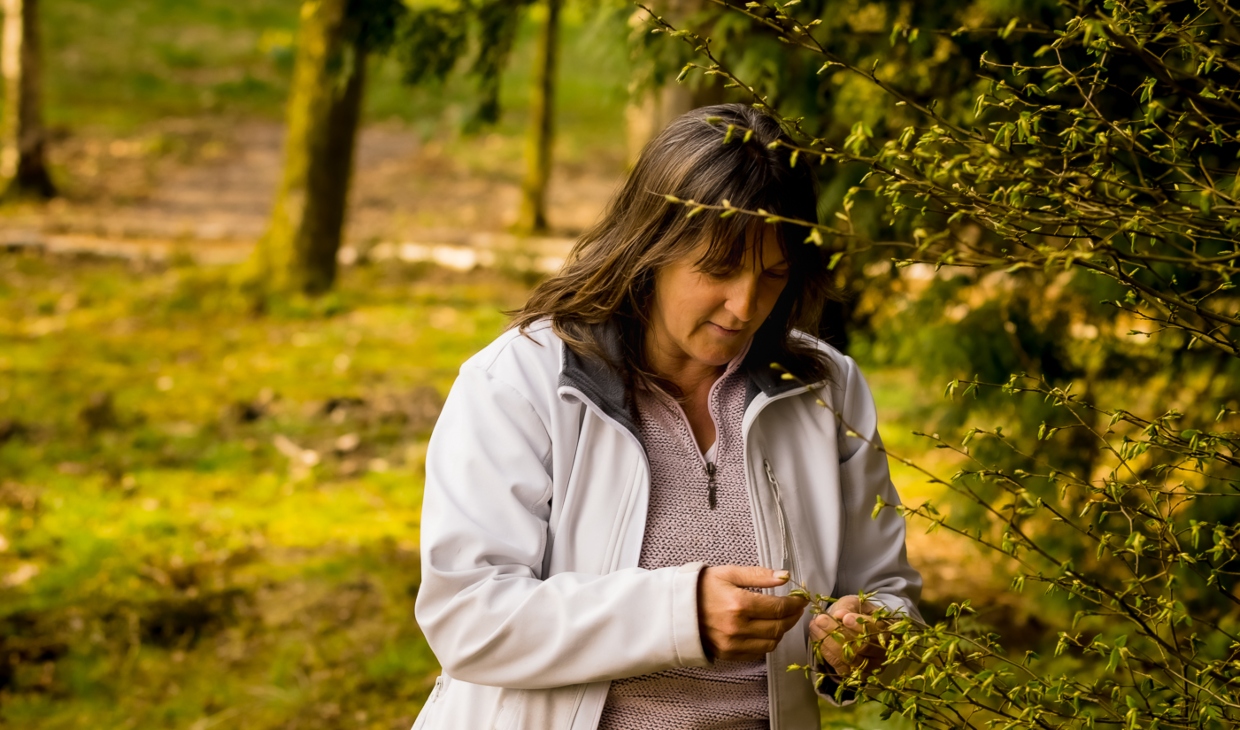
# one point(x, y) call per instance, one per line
point(1083, 208)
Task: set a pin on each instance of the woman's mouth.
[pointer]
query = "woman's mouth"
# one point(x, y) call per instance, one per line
point(725, 331)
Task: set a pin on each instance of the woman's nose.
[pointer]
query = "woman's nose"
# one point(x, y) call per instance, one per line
point(742, 297)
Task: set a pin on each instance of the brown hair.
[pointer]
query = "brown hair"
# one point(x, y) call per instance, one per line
point(609, 274)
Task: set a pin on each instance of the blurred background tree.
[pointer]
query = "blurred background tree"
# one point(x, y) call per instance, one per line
point(23, 164)
point(532, 217)
point(336, 37)
point(336, 40)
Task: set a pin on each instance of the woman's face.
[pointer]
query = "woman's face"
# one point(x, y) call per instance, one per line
point(701, 319)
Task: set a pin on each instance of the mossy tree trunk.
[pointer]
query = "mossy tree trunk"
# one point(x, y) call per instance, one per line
point(298, 252)
point(532, 217)
point(22, 153)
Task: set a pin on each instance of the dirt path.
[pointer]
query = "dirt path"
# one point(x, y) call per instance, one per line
point(206, 188)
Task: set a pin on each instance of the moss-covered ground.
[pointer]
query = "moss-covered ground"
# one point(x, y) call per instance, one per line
point(209, 518)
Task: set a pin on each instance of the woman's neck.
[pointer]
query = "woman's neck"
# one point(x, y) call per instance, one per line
point(693, 381)
point(691, 377)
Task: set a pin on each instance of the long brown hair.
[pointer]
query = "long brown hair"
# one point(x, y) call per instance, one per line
point(609, 275)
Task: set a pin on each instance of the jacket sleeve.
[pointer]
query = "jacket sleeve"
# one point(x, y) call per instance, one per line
point(487, 613)
point(872, 556)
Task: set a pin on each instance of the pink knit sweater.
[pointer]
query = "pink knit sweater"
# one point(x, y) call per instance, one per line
point(681, 527)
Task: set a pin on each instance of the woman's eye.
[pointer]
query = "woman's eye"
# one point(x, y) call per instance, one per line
point(776, 273)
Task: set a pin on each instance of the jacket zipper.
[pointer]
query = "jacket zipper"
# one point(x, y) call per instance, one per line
point(708, 466)
point(755, 506)
point(789, 563)
point(641, 450)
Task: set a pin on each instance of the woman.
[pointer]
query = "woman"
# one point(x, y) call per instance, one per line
point(621, 490)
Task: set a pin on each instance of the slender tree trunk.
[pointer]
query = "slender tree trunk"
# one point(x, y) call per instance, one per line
point(22, 160)
point(650, 110)
point(533, 214)
point(298, 251)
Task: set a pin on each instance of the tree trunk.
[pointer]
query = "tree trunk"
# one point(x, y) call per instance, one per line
point(22, 160)
point(532, 217)
point(650, 110)
point(298, 252)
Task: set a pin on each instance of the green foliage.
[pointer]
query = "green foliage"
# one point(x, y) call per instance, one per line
point(376, 22)
point(429, 42)
point(1047, 212)
point(497, 31)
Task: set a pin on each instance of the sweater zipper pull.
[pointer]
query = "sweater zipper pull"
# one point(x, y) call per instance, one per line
point(710, 485)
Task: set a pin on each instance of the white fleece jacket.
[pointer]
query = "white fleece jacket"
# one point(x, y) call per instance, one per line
point(532, 522)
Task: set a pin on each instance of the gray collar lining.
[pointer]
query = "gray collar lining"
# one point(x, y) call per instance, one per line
point(603, 385)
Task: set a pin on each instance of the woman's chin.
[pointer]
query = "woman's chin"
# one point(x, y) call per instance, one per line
point(718, 355)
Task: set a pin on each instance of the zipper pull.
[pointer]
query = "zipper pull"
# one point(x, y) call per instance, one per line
point(710, 485)
point(770, 476)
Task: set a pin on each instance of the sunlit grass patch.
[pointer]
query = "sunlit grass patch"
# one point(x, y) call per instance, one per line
point(211, 517)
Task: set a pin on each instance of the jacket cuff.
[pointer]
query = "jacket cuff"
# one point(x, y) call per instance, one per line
point(685, 632)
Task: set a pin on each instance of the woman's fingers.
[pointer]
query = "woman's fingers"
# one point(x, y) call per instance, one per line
point(757, 606)
point(754, 639)
point(747, 576)
point(851, 604)
point(737, 623)
point(846, 648)
point(734, 633)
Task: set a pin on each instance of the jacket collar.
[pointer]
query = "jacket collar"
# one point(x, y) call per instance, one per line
point(602, 383)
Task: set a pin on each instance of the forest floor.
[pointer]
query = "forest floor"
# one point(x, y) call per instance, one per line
point(210, 519)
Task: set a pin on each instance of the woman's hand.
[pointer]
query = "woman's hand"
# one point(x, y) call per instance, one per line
point(848, 619)
point(738, 624)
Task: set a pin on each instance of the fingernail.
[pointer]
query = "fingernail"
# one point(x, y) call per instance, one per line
point(782, 575)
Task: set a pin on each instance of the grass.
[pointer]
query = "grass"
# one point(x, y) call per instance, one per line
point(120, 63)
point(167, 563)
point(189, 58)
point(903, 404)
point(210, 518)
